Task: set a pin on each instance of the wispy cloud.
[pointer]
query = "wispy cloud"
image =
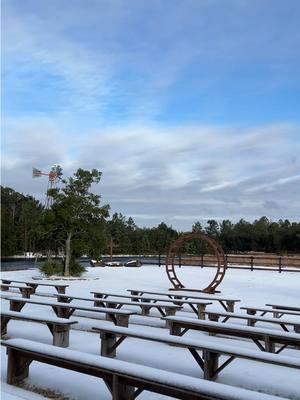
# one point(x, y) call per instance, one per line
point(189, 109)
point(135, 61)
point(279, 182)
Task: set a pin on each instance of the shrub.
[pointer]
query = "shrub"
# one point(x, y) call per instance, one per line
point(76, 269)
point(52, 267)
point(56, 267)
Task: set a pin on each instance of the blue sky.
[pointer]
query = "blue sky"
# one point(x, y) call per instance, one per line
point(191, 109)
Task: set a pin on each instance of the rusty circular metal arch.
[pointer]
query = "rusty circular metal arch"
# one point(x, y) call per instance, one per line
point(221, 261)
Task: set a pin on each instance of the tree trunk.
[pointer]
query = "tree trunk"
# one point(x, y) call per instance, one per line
point(68, 255)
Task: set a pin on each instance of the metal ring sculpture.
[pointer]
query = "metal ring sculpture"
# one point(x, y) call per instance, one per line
point(170, 261)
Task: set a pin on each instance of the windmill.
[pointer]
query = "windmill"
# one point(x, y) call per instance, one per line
point(54, 175)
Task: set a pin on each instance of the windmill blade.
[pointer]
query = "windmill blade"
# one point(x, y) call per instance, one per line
point(36, 173)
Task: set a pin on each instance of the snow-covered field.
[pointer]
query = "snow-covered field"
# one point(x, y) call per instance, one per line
point(252, 288)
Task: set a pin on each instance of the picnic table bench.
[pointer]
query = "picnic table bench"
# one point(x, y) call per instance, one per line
point(164, 309)
point(277, 312)
point(251, 320)
point(124, 380)
point(198, 306)
point(59, 327)
point(26, 291)
point(284, 307)
point(64, 310)
point(112, 337)
point(226, 302)
point(179, 326)
point(60, 288)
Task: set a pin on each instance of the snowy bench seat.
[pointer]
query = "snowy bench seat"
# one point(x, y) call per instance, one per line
point(227, 303)
point(277, 312)
point(126, 381)
point(164, 309)
point(26, 291)
point(59, 327)
point(179, 326)
point(112, 337)
point(284, 307)
point(198, 306)
point(251, 320)
point(60, 288)
point(64, 310)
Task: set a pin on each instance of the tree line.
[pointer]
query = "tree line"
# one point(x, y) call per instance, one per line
point(76, 214)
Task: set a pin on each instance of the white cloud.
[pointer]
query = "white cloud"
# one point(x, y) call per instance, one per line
point(178, 172)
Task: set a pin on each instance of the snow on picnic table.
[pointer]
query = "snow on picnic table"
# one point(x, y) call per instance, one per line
point(253, 288)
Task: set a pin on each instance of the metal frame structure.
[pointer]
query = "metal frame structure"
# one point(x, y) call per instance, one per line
point(53, 178)
point(221, 261)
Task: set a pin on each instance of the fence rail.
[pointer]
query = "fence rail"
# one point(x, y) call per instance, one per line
point(252, 262)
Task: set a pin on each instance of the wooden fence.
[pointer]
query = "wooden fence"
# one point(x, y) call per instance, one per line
point(242, 261)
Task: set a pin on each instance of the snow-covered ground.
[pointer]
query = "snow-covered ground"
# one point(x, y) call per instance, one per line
point(252, 288)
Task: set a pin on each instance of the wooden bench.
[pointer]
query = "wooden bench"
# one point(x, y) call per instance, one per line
point(64, 310)
point(60, 288)
point(198, 306)
point(277, 312)
point(26, 291)
point(227, 303)
point(164, 309)
point(251, 320)
point(179, 326)
point(125, 381)
point(112, 337)
point(59, 327)
point(284, 307)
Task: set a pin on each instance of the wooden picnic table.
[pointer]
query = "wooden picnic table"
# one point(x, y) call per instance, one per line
point(60, 288)
point(277, 312)
point(164, 309)
point(284, 307)
point(226, 302)
point(125, 380)
point(64, 310)
point(179, 326)
point(251, 320)
point(198, 306)
point(59, 327)
point(26, 291)
point(112, 336)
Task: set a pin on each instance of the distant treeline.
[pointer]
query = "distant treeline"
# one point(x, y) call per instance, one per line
point(22, 231)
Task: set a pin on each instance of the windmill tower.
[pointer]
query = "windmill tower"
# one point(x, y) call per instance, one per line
point(54, 175)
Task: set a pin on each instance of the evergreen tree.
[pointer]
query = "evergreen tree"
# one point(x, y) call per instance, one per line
point(76, 216)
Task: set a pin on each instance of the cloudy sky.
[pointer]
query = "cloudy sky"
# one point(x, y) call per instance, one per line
point(191, 109)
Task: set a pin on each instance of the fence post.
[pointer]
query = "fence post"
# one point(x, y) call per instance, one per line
point(179, 260)
point(159, 262)
point(251, 263)
point(226, 258)
point(202, 260)
point(280, 264)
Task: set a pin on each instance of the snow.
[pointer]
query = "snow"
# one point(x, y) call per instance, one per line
point(228, 326)
point(140, 372)
point(161, 299)
point(256, 288)
point(67, 305)
point(288, 321)
point(210, 344)
point(35, 282)
point(119, 301)
point(270, 310)
point(16, 314)
point(15, 393)
point(190, 295)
